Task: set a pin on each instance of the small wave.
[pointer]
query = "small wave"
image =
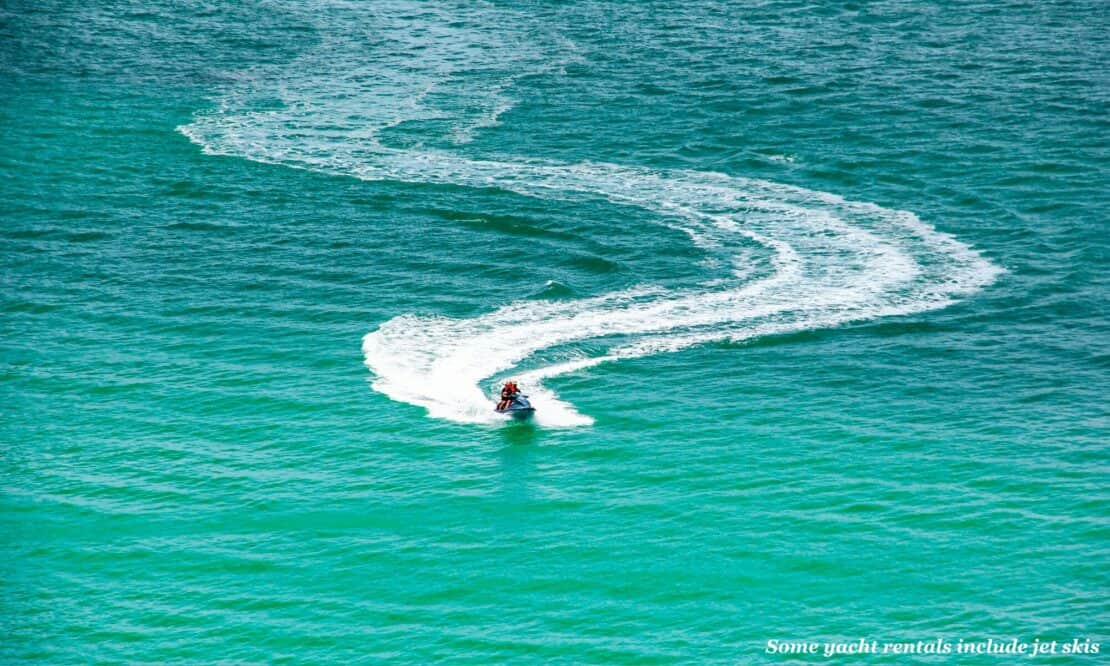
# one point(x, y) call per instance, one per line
point(87, 236)
point(553, 290)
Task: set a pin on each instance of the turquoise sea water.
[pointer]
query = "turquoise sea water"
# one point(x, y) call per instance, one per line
point(812, 300)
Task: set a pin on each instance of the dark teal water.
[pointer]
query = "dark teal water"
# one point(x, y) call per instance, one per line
point(812, 301)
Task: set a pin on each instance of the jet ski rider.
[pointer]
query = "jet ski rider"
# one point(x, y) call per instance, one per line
point(508, 393)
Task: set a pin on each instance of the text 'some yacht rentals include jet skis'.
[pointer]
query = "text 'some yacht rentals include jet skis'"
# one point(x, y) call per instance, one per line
point(514, 403)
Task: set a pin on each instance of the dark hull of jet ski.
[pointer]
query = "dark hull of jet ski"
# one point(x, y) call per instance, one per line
point(520, 408)
point(520, 412)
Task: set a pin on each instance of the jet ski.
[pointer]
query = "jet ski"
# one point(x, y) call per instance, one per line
point(519, 407)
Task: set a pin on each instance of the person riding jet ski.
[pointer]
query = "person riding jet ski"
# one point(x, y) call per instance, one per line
point(514, 403)
point(509, 392)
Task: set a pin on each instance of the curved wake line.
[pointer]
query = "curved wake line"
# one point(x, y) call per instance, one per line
point(831, 261)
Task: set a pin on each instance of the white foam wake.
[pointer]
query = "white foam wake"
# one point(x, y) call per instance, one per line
point(832, 260)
